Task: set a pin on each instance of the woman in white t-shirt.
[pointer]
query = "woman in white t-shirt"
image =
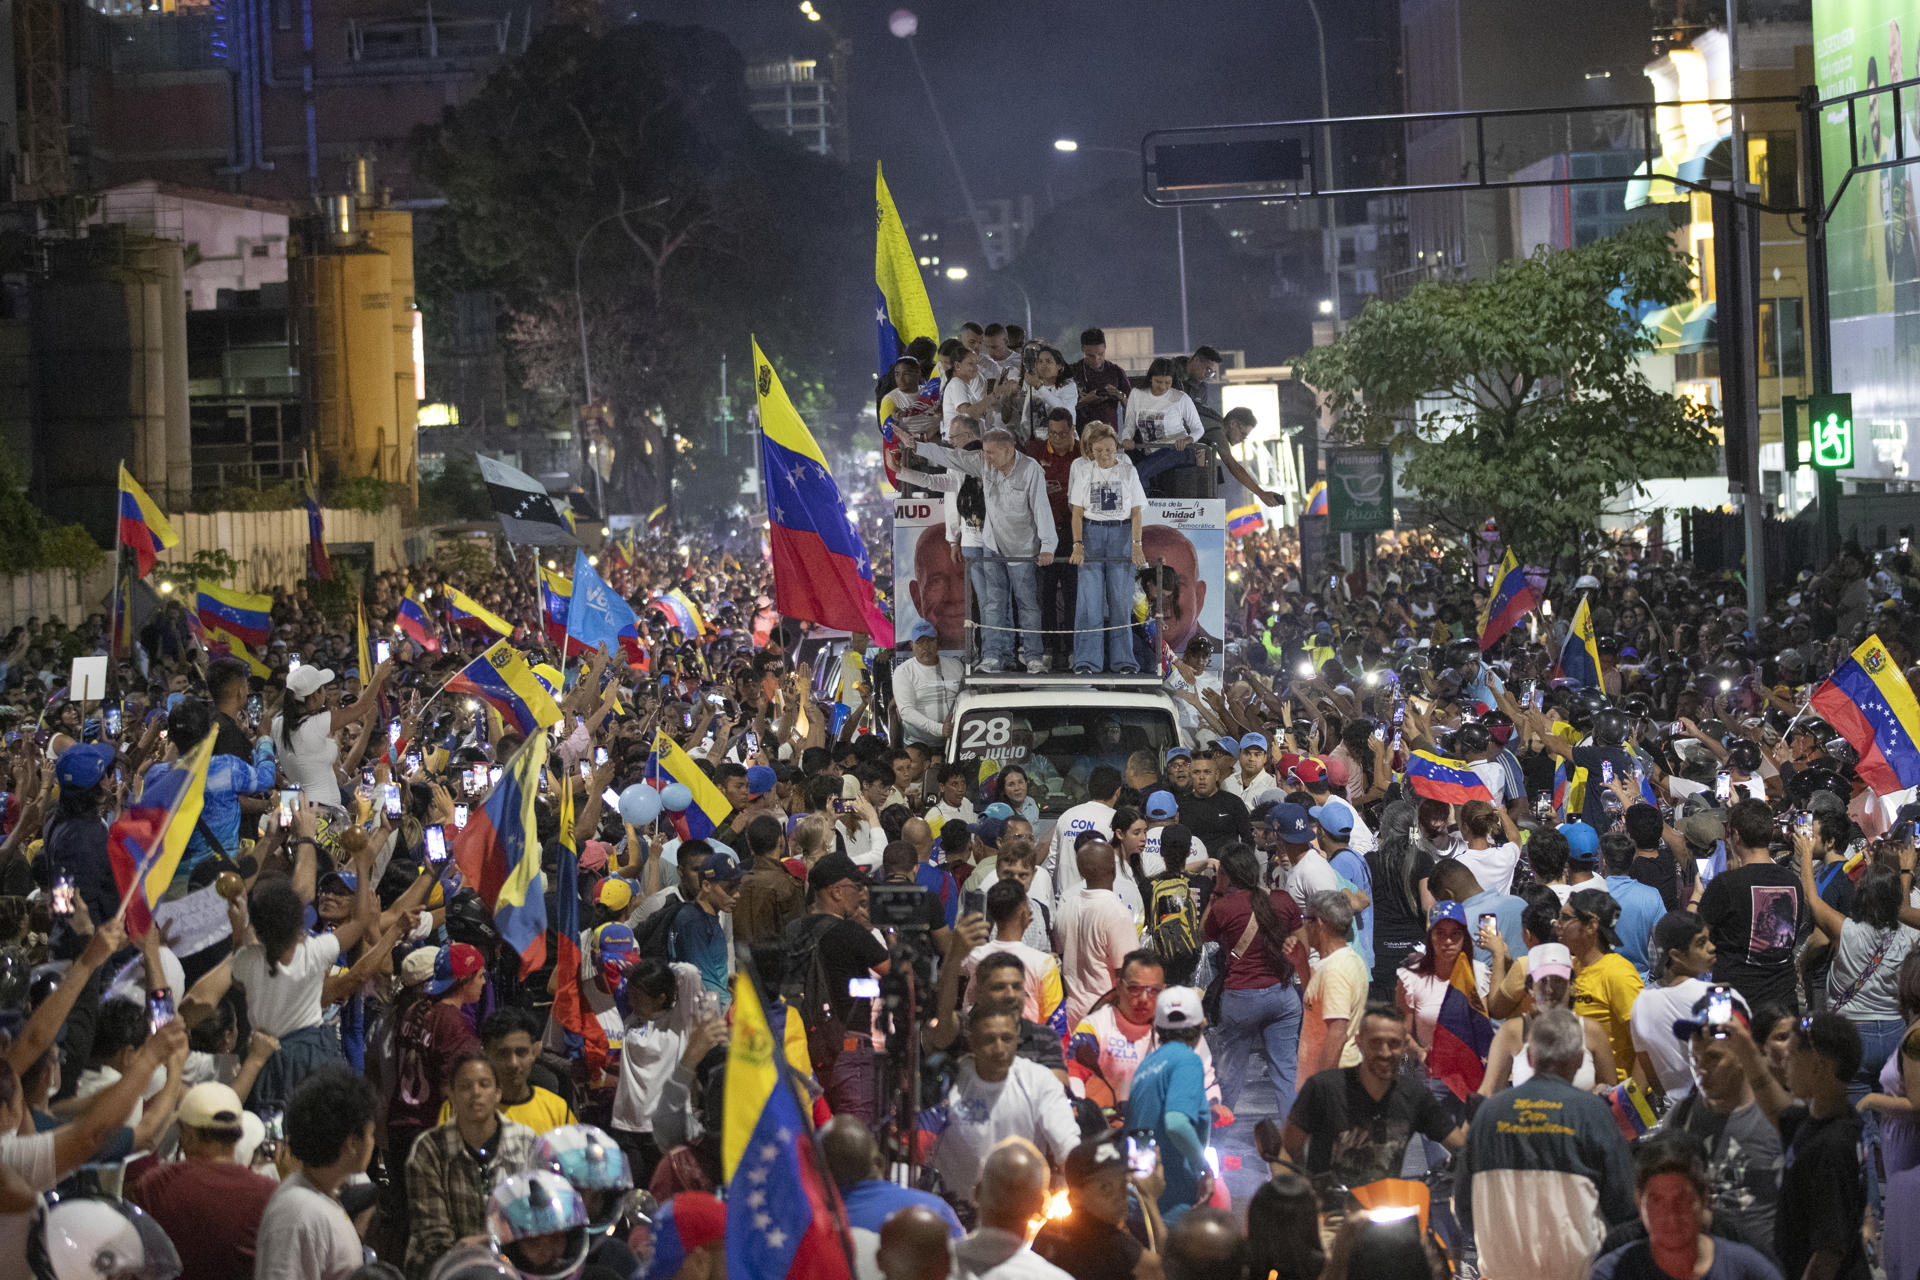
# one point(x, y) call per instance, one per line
point(1493, 845)
point(1045, 387)
point(1161, 428)
point(1106, 501)
point(965, 391)
point(303, 731)
point(1680, 962)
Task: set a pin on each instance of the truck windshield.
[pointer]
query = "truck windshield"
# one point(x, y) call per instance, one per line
point(1059, 747)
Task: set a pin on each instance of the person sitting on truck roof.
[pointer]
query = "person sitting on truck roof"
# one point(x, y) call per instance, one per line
point(924, 689)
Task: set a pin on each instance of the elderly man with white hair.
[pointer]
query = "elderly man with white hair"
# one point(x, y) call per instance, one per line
point(1546, 1172)
point(1017, 538)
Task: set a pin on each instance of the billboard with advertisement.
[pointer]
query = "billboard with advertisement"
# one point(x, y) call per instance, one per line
point(1873, 239)
point(927, 581)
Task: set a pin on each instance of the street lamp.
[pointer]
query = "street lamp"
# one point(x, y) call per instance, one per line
point(956, 273)
point(905, 26)
point(1179, 229)
point(1326, 306)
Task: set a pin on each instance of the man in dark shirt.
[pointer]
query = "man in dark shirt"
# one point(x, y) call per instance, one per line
point(1356, 1122)
point(1754, 913)
point(1653, 863)
point(1092, 1242)
point(846, 950)
point(1823, 1197)
point(1216, 818)
point(1059, 581)
point(1103, 386)
point(227, 689)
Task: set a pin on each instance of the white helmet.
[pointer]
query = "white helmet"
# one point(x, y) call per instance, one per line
point(1586, 582)
point(538, 1223)
point(97, 1238)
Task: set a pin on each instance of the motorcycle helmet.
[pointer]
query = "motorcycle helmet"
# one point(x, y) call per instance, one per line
point(1610, 727)
point(538, 1223)
point(1499, 726)
point(1587, 704)
point(1807, 782)
point(98, 1238)
point(1472, 739)
point(1638, 706)
point(1462, 653)
point(469, 921)
point(1743, 755)
point(596, 1167)
point(472, 1262)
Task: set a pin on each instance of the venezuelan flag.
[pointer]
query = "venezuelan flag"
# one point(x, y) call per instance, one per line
point(319, 563)
point(499, 855)
point(246, 617)
point(1317, 499)
point(415, 621)
point(1242, 521)
point(1462, 1033)
point(820, 569)
point(1871, 704)
point(500, 678)
point(903, 312)
point(785, 1222)
point(1631, 1110)
point(585, 1038)
point(1513, 597)
point(556, 596)
point(469, 615)
point(1434, 777)
point(143, 529)
point(681, 612)
point(1561, 785)
point(1580, 654)
point(221, 643)
point(669, 764)
point(145, 842)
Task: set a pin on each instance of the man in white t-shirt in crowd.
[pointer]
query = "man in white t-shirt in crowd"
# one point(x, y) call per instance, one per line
point(925, 688)
point(1311, 774)
point(996, 1094)
point(1121, 1033)
point(1251, 781)
point(1094, 814)
point(305, 1234)
point(1096, 931)
point(1308, 871)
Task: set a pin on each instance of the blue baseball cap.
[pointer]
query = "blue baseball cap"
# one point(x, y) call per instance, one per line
point(923, 630)
point(83, 766)
point(1335, 819)
point(1292, 821)
point(988, 831)
point(453, 964)
point(1178, 753)
point(998, 809)
point(1161, 806)
point(760, 780)
point(1228, 745)
point(721, 866)
point(1448, 911)
point(1583, 842)
point(1254, 740)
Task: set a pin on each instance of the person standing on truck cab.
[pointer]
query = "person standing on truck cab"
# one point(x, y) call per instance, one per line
point(1106, 501)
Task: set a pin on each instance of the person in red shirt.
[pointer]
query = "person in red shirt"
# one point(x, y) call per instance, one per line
point(1058, 581)
point(207, 1202)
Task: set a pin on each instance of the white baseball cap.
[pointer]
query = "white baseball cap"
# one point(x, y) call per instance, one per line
point(1178, 1009)
point(302, 681)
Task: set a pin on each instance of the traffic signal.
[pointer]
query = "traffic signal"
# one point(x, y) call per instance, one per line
point(1830, 430)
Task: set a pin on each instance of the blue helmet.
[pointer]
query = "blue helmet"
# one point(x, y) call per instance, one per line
point(538, 1223)
point(594, 1164)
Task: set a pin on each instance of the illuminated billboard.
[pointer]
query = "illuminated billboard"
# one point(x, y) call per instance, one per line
point(1873, 241)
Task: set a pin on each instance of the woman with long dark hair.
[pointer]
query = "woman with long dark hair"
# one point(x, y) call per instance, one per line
point(304, 730)
point(1283, 1231)
point(1605, 983)
point(1400, 864)
point(1261, 996)
point(1871, 939)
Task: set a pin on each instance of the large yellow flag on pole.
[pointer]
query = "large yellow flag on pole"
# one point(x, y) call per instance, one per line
point(903, 312)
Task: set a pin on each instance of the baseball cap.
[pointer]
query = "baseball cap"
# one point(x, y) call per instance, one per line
point(1161, 806)
point(613, 893)
point(1453, 911)
point(1228, 745)
point(418, 965)
point(1703, 829)
point(1337, 819)
point(1254, 740)
point(1177, 1009)
point(453, 965)
point(1094, 1156)
point(1685, 1029)
point(1178, 753)
point(340, 882)
point(84, 766)
point(1292, 821)
point(211, 1105)
point(988, 831)
point(302, 681)
point(1337, 771)
point(760, 780)
point(1550, 960)
point(691, 1220)
point(721, 867)
point(1311, 772)
point(614, 943)
point(923, 630)
point(831, 870)
point(998, 809)
point(1583, 842)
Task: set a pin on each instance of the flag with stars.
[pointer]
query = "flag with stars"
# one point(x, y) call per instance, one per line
point(527, 513)
point(821, 573)
point(901, 310)
point(784, 1218)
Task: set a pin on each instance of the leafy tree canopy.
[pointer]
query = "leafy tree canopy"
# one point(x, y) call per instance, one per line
point(1520, 397)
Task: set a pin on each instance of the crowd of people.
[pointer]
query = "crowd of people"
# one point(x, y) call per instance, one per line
point(1639, 998)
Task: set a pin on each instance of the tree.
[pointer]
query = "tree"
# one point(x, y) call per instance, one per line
point(692, 226)
point(1520, 397)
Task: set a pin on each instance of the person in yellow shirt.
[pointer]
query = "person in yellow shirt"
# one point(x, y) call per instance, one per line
point(1605, 983)
point(510, 1038)
point(1337, 991)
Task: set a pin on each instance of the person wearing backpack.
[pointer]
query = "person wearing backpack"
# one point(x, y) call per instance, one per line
point(1173, 918)
point(826, 950)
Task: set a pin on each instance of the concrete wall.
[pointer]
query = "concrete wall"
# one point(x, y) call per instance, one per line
point(270, 545)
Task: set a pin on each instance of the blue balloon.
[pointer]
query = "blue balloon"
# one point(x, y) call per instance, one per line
point(678, 798)
point(639, 805)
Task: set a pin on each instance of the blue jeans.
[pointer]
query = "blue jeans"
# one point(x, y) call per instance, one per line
point(1106, 597)
point(1010, 586)
point(1879, 1040)
point(1272, 1014)
point(976, 591)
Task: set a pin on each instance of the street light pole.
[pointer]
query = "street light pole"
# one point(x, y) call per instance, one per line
point(1070, 145)
point(1326, 151)
point(953, 156)
point(579, 307)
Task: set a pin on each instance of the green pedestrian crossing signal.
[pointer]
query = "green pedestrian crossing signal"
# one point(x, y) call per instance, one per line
point(1830, 430)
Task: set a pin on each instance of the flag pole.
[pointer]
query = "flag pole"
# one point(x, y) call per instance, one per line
point(119, 602)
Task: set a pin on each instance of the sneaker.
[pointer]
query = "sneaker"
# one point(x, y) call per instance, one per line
point(1038, 667)
point(1084, 671)
point(991, 665)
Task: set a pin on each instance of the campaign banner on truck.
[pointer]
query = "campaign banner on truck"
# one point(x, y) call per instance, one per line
point(928, 580)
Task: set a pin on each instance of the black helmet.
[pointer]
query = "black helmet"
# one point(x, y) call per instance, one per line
point(1807, 782)
point(1472, 739)
point(1609, 727)
point(1637, 705)
point(1587, 704)
point(1463, 653)
point(1743, 755)
point(469, 921)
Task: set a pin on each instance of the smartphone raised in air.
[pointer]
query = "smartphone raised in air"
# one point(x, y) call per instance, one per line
point(436, 844)
point(288, 799)
point(381, 652)
point(63, 894)
point(159, 1009)
point(459, 817)
point(390, 798)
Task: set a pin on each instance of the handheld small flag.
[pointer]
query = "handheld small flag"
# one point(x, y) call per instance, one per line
point(1434, 777)
point(1631, 1110)
point(556, 594)
point(1242, 521)
point(1580, 654)
point(1873, 707)
point(1513, 597)
point(820, 569)
point(501, 679)
point(143, 529)
point(145, 843)
point(417, 623)
point(499, 856)
point(248, 618)
point(585, 1038)
point(1317, 499)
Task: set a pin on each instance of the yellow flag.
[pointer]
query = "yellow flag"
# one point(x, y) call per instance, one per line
point(360, 639)
point(905, 313)
point(753, 1072)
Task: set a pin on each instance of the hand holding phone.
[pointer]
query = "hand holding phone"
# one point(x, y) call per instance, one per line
point(63, 894)
point(460, 817)
point(159, 1009)
point(436, 838)
point(390, 798)
point(381, 652)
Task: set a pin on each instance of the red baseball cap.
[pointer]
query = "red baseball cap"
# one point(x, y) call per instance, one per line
point(455, 963)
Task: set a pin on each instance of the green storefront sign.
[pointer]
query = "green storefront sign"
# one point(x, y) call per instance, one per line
point(1359, 491)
